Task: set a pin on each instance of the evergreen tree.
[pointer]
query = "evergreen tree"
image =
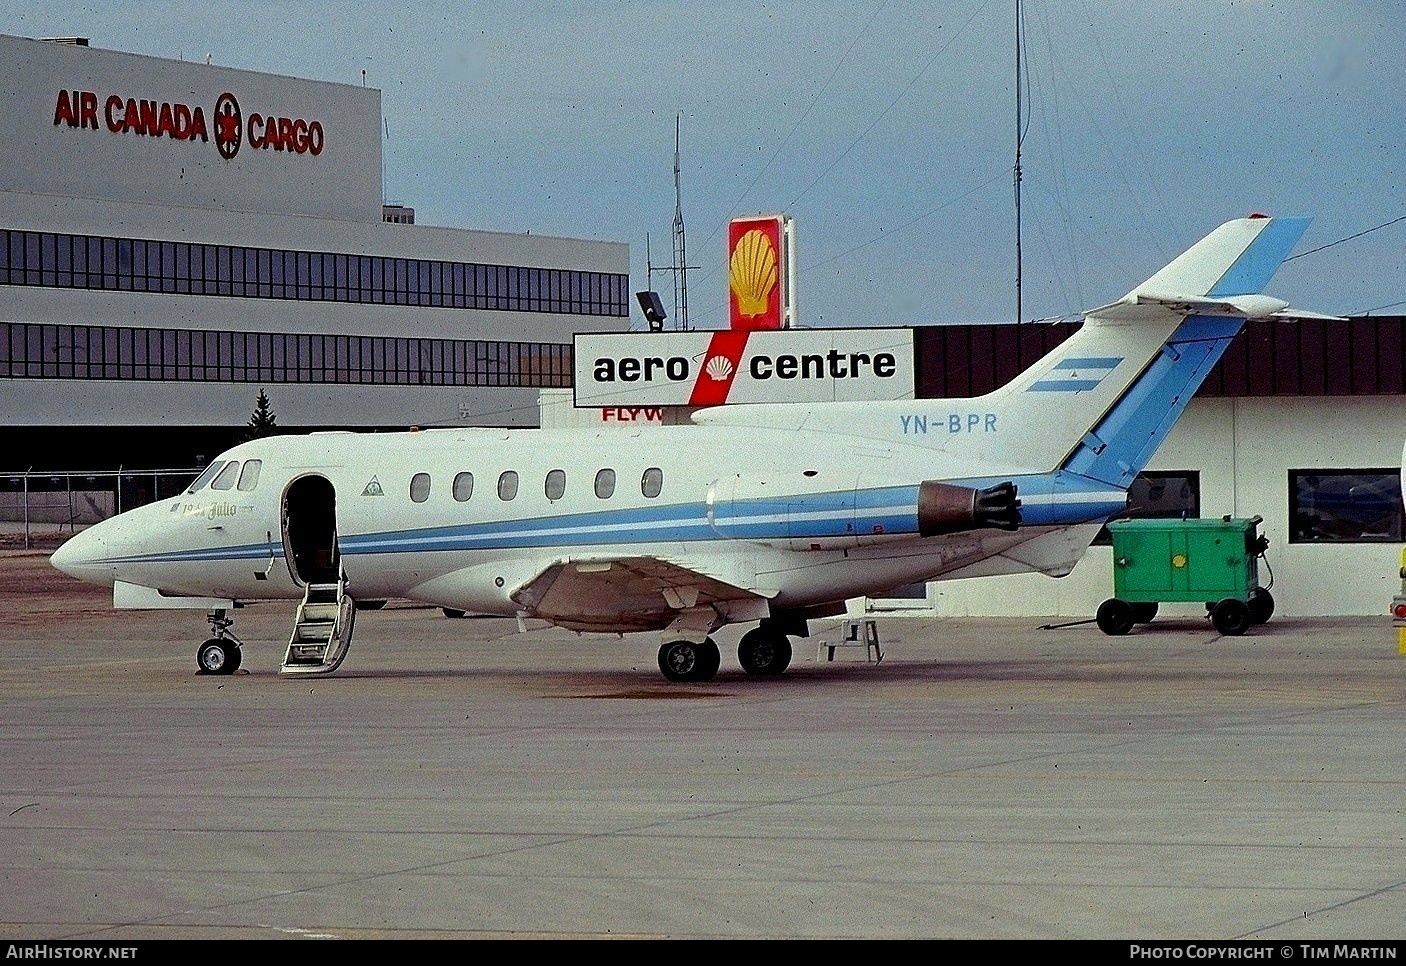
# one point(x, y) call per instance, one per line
point(262, 421)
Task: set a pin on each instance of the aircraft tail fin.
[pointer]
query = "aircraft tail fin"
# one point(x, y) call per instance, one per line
point(1099, 404)
point(1236, 259)
point(1128, 373)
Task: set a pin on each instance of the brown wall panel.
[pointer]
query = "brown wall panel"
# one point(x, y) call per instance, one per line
point(1364, 356)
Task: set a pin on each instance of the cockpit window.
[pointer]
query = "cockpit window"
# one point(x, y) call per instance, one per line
point(249, 476)
point(205, 477)
point(227, 476)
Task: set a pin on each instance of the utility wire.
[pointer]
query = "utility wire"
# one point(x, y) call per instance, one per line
point(901, 94)
point(1347, 239)
point(801, 120)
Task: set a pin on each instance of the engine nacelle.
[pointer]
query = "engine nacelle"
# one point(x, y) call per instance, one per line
point(946, 508)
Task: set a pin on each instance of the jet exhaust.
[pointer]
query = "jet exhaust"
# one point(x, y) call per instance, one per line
point(945, 508)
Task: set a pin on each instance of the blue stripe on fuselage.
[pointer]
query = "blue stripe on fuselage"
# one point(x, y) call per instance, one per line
point(1051, 499)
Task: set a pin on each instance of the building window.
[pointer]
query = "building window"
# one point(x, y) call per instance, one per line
point(605, 484)
point(113, 352)
point(463, 486)
point(556, 484)
point(1345, 506)
point(507, 485)
point(652, 483)
point(1159, 495)
point(420, 487)
point(58, 260)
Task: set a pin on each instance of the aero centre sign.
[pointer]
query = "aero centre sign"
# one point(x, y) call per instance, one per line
point(743, 366)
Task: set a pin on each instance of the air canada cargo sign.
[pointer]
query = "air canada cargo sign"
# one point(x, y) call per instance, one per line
point(743, 366)
point(225, 122)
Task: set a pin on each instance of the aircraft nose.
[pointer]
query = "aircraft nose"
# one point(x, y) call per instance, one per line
point(80, 555)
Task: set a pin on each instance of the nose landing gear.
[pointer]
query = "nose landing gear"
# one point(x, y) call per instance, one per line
point(223, 652)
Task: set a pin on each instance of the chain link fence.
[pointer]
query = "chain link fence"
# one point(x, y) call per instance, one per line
point(44, 508)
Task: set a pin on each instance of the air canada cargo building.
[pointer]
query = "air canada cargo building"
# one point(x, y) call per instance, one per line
point(176, 237)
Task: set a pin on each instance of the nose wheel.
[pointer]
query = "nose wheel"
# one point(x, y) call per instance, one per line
point(223, 653)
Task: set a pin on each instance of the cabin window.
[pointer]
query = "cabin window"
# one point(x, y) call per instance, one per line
point(1346, 506)
point(420, 487)
point(463, 486)
point(249, 476)
point(556, 484)
point(652, 483)
point(227, 476)
point(605, 484)
point(507, 485)
point(205, 477)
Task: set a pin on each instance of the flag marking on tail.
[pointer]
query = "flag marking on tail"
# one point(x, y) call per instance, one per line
point(1076, 375)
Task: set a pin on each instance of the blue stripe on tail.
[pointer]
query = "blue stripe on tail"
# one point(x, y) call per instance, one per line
point(1119, 447)
point(1258, 263)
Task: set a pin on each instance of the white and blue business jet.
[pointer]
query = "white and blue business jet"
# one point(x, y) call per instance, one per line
point(773, 514)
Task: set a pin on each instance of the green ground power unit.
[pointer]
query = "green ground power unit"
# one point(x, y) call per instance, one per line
point(1215, 562)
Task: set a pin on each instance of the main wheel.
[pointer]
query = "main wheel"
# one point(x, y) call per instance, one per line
point(712, 660)
point(218, 656)
point(689, 660)
point(451, 613)
point(1115, 616)
point(1144, 611)
point(1261, 605)
point(1231, 617)
point(764, 653)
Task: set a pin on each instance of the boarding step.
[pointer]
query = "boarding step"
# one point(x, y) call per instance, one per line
point(322, 630)
point(854, 632)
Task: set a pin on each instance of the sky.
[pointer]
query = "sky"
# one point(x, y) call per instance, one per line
point(886, 129)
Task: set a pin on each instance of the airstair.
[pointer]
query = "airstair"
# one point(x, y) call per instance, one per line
point(322, 631)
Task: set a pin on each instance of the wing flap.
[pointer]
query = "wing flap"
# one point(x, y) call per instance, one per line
point(624, 593)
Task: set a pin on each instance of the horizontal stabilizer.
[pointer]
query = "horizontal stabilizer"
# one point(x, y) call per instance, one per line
point(1252, 306)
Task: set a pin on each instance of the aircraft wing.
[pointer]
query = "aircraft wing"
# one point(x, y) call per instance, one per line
point(640, 592)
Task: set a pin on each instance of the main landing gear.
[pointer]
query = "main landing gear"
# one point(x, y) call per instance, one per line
point(690, 660)
point(223, 652)
point(763, 651)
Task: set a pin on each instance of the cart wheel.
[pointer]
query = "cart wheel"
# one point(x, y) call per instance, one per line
point(1231, 617)
point(1115, 617)
point(1144, 611)
point(1261, 605)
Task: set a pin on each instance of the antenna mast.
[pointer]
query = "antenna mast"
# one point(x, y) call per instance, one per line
point(1019, 136)
point(680, 244)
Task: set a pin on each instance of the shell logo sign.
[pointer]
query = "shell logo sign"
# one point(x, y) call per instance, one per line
point(759, 250)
